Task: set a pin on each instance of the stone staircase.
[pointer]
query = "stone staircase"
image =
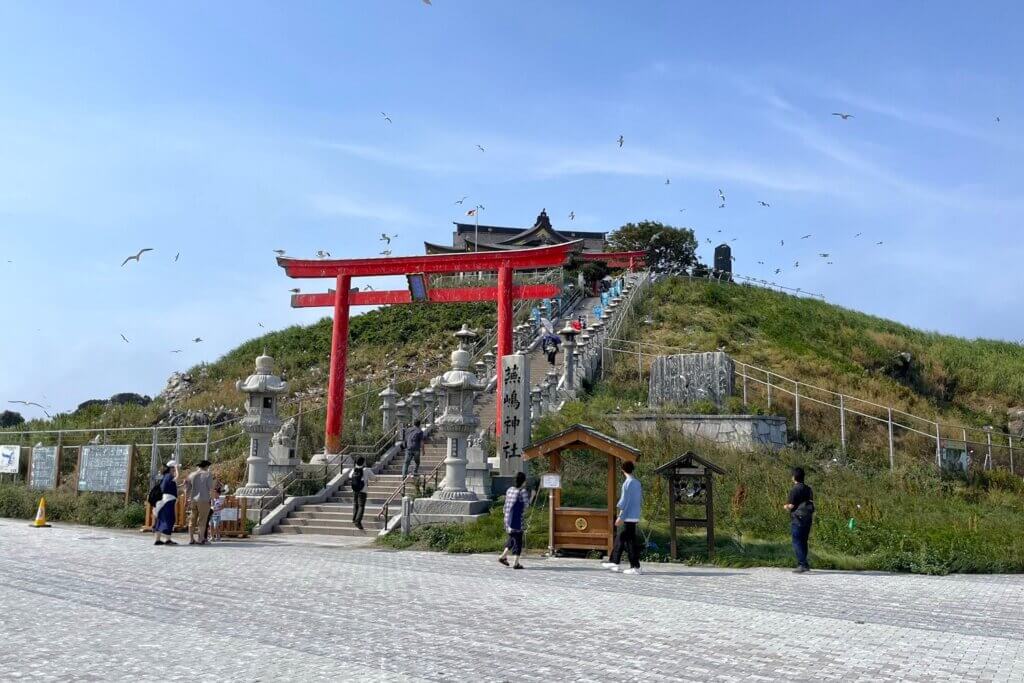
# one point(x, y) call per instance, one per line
point(334, 517)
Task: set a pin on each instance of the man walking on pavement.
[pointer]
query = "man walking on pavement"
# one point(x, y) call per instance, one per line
point(413, 445)
point(200, 485)
point(801, 515)
point(628, 537)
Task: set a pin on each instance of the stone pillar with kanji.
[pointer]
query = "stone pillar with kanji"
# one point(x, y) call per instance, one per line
point(515, 413)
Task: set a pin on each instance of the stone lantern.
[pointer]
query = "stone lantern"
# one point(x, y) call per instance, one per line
point(402, 414)
point(416, 404)
point(456, 424)
point(552, 391)
point(490, 360)
point(429, 399)
point(536, 405)
point(481, 370)
point(388, 406)
point(263, 389)
point(569, 356)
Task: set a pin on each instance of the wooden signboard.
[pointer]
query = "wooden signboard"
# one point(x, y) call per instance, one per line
point(44, 467)
point(105, 469)
point(690, 485)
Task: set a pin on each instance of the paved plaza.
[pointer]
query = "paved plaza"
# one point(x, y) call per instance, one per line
point(80, 603)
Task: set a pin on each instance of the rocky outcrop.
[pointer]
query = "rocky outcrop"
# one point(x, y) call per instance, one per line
point(179, 386)
point(196, 418)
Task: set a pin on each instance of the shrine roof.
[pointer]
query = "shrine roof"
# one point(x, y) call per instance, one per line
point(581, 436)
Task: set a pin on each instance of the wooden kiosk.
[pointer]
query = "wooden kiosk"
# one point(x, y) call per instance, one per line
point(574, 528)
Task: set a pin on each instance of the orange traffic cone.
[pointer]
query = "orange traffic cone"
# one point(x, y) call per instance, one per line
point(40, 515)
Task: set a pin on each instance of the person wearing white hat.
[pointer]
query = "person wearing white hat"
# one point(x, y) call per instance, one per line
point(164, 510)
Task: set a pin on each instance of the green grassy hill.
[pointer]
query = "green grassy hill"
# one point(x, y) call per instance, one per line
point(913, 519)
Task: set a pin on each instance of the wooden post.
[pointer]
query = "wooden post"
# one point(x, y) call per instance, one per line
point(639, 364)
point(842, 422)
point(611, 503)
point(892, 446)
point(673, 547)
point(796, 398)
point(769, 383)
point(206, 447)
point(1011, 453)
point(710, 513)
point(128, 477)
point(988, 455)
point(553, 499)
point(938, 445)
point(744, 385)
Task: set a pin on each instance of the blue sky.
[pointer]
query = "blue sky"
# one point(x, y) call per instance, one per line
point(221, 131)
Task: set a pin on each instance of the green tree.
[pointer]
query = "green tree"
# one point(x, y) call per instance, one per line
point(669, 249)
point(9, 418)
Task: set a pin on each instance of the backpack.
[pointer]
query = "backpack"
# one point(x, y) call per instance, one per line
point(356, 481)
point(156, 494)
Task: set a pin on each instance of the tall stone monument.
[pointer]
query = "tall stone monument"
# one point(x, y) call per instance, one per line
point(260, 421)
point(515, 412)
point(454, 501)
point(690, 377)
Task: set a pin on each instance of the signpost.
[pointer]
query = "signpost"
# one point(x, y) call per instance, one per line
point(10, 460)
point(105, 469)
point(515, 413)
point(44, 468)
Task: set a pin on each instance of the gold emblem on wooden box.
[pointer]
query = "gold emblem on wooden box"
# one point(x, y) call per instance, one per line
point(581, 524)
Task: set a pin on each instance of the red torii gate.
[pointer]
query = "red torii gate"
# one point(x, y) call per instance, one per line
point(343, 296)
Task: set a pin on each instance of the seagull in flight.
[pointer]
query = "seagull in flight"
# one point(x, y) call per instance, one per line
point(763, 203)
point(279, 252)
point(805, 237)
point(386, 117)
point(621, 141)
point(858, 234)
point(136, 257)
point(823, 255)
point(667, 181)
point(176, 256)
point(384, 237)
point(368, 288)
point(782, 243)
point(998, 119)
point(879, 243)
point(32, 403)
point(464, 197)
point(722, 205)
point(125, 339)
point(842, 115)
point(480, 147)
point(323, 254)
point(294, 291)
point(681, 210)
point(760, 263)
point(572, 215)
point(796, 264)
point(175, 350)
point(260, 324)
point(197, 340)
point(778, 270)
point(386, 252)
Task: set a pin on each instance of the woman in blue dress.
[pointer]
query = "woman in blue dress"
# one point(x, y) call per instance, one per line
point(165, 509)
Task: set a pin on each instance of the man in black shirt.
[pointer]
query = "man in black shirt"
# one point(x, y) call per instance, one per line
point(801, 514)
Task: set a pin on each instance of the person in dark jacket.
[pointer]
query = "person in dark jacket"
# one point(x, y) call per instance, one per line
point(413, 439)
point(516, 499)
point(164, 510)
point(801, 515)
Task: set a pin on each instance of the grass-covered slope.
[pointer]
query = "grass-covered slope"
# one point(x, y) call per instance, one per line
point(912, 519)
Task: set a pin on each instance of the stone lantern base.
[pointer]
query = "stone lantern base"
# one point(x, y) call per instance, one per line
point(439, 510)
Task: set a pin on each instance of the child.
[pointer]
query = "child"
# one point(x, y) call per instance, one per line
point(216, 505)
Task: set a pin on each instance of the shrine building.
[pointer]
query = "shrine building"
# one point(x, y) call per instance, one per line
point(472, 237)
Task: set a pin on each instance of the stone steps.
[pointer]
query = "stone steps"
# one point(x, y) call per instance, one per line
point(326, 530)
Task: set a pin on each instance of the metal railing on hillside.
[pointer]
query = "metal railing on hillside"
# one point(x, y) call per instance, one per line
point(775, 385)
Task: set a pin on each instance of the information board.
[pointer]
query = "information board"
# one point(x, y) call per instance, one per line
point(104, 468)
point(10, 459)
point(43, 469)
point(551, 480)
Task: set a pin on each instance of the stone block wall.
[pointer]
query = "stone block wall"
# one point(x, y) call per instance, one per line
point(742, 432)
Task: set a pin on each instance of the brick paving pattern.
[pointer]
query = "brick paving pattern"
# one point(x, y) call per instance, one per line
point(93, 604)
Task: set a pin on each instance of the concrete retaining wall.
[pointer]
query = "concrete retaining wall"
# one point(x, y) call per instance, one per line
point(741, 432)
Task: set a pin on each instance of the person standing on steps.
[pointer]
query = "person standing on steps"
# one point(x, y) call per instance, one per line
point(628, 537)
point(516, 500)
point(358, 480)
point(801, 515)
point(413, 445)
point(200, 486)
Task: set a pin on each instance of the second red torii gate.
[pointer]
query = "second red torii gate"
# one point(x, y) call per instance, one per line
point(343, 297)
